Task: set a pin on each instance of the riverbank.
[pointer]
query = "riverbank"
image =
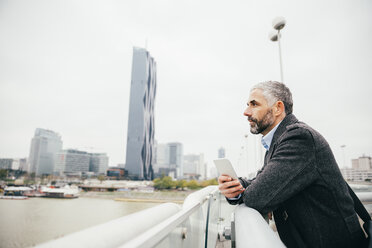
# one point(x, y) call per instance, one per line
point(137, 196)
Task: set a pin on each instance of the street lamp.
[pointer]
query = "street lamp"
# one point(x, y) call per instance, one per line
point(274, 35)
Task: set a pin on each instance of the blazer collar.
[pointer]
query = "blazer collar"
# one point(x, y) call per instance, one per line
point(288, 120)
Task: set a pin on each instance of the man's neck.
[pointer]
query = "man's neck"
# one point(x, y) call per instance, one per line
point(276, 122)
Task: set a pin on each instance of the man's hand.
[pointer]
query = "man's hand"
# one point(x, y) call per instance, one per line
point(229, 187)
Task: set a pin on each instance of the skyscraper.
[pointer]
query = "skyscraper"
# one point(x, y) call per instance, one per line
point(175, 158)
point(140, 137)
point(44, 146)
point(221, 152)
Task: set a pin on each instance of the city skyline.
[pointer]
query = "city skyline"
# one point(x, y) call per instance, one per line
point(66, 67)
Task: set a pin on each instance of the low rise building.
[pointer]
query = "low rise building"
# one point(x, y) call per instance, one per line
point(6, 163)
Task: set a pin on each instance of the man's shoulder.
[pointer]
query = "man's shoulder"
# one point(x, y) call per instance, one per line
point(303, 129)
point(298, 125)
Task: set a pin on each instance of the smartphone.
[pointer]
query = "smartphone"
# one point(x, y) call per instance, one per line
point(224, 166)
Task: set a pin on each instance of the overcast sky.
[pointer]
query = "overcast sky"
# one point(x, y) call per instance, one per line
point(66, 66)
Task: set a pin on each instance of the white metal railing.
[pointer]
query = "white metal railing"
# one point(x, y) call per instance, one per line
point(251, 229)
point(186, 228)
point(364, 197)
point(116, 232)
point(195, 224)
point(165, 225)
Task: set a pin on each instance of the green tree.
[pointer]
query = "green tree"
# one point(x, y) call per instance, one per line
point(3, 173)
point(209, 182)
point(101, 178)
point(163, 183)
point(193, 184)
point(181, 184)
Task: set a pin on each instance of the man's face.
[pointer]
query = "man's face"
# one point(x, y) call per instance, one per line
point(259, 113)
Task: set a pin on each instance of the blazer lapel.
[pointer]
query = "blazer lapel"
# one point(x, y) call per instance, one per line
point(288, 120)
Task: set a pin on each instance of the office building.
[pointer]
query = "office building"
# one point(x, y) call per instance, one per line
point(72, 162)
point(362, 163)
point(6, 163)
point(194, 167)
point(168, 160)
point(221, 152)
point(351, 174)
point(98, 163)
point(140, 135)
point(176, 159)
point(161, 158)
point(44, 146)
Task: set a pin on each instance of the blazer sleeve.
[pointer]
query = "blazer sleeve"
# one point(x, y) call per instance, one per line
point(245, 183)
point(290, 170)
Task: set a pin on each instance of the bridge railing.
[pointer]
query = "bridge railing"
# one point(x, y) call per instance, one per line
point(195, 224)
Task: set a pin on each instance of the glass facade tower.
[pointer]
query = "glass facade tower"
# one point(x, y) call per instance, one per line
point(140, 137)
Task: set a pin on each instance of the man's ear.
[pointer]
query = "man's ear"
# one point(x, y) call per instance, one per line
point(279, 108)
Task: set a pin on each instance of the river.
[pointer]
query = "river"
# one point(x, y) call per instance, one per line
point(24, 223)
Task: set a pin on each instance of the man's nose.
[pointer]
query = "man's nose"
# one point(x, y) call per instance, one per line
point(247, 112)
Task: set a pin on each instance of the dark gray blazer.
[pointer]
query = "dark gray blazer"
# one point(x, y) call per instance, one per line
point(303, 186)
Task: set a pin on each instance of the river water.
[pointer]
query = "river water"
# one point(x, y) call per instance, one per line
point(24, 223)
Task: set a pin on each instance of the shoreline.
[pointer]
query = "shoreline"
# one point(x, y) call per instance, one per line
point(148, 200)
point(137, 196)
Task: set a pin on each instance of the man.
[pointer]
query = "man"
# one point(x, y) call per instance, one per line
point(300, 181)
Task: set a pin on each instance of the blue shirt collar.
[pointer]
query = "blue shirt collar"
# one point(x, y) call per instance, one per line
point(266, 140)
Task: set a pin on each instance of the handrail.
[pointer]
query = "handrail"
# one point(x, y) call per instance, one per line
point(116, 232)
point(154, 235)
point(142, 229)
point(364, 197)
point(251, 230)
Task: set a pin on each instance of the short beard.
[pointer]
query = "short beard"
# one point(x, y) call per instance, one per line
point(261, 125)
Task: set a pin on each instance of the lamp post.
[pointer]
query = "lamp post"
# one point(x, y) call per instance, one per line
point(274, 35)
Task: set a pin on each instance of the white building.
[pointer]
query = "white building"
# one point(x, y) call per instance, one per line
point(72, 162)
point(168, 160)
point(362, 163)
point(194, 166)
point(44, 146)
point(361, 169)
point(351, 174)
point(161, 157)
point(19, 164)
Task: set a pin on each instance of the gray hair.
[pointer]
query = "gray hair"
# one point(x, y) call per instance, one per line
point(275, 91)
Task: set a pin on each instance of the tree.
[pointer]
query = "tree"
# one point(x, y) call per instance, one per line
point(163, 183)
point(209, 182)
point(101, 178)
point(193, 184)
point(3, 173)
point(181, 184)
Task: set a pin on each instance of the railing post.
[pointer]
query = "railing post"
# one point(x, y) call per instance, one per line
point(210, 197)
point(233, 234)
